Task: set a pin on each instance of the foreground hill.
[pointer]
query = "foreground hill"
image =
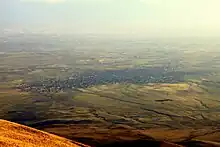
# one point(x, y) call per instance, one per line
point(12, 134)
point(16, 135)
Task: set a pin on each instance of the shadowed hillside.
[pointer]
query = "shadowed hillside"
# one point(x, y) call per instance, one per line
point(16, 135)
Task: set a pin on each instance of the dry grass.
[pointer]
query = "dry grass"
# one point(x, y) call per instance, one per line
point(12, 134)
point(171, 88)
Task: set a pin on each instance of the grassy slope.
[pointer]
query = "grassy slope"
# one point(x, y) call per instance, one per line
point(12, 134)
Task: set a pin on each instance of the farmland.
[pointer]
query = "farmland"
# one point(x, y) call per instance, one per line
point(117, 89)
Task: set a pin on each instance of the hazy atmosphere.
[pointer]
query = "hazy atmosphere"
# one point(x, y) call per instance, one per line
point(110, 73)
point(121, 17)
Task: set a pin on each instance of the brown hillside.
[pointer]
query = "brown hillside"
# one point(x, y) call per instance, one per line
point(12, 134)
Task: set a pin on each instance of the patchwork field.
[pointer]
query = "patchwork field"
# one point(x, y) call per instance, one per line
point(99, 94)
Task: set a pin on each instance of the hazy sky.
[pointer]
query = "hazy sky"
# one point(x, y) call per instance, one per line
point(142, 17)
